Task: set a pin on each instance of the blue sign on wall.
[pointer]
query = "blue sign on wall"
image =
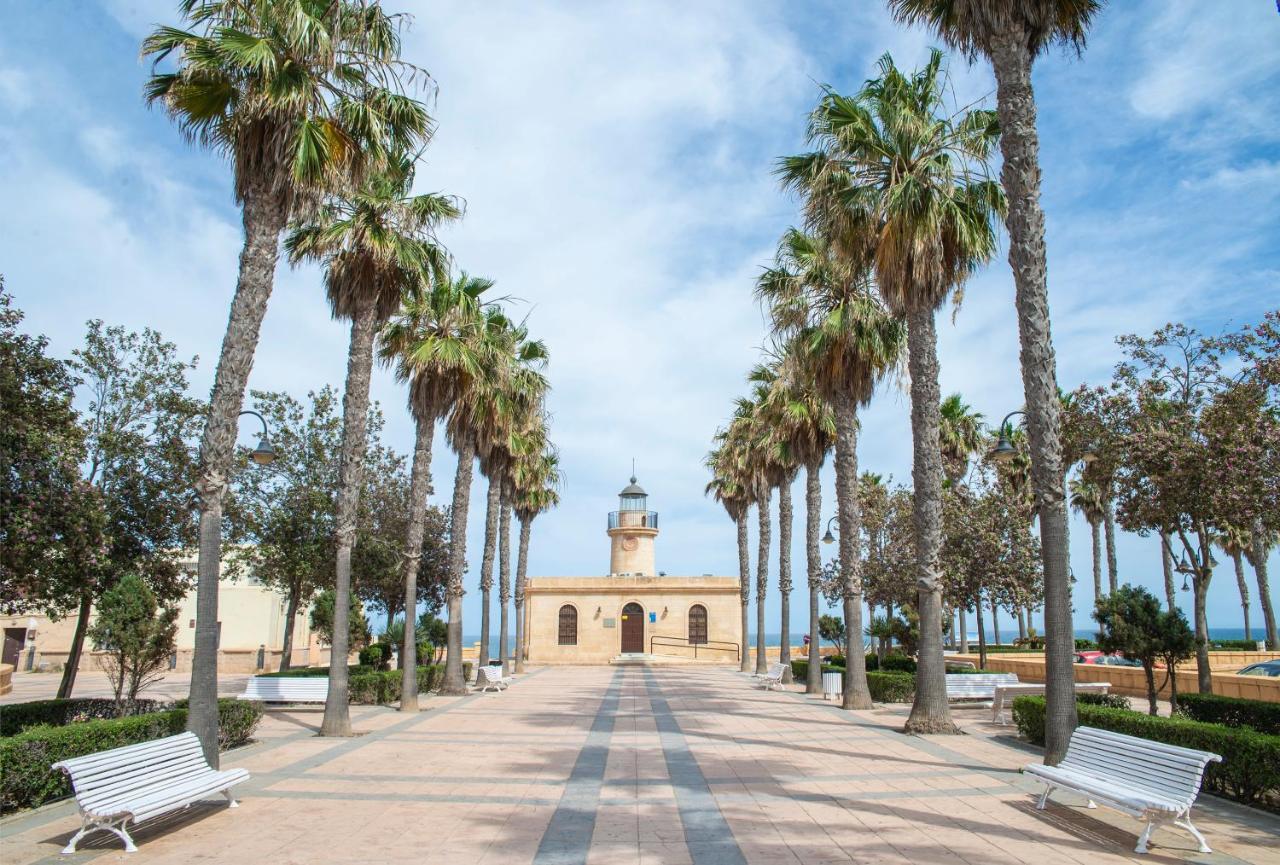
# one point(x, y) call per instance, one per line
point(653, 617)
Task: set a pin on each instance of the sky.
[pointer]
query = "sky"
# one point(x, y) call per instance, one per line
point(616, 163)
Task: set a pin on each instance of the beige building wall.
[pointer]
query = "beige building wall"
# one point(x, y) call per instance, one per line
point(599, 602)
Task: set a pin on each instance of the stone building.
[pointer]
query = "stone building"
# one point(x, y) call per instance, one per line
point(634, 613)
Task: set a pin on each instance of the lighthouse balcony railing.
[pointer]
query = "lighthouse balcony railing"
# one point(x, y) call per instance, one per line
point(633, 519)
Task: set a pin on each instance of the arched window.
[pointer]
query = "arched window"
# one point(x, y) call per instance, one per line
point(568, 625)
point(697, 624)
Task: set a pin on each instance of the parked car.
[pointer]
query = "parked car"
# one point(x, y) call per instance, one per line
point(1101, 658)
point(1089, 656)
point(1262, 668)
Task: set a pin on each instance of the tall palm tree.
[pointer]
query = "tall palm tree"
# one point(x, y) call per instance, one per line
point(297, 94)
point(1261, 541)
point(727, 488)
point(377, 244)
point(918, 174)
point(1011, 36)
point(436, 346)
point(756, 464)
point(818, 294)
point(1087, 500)
point(493, 468)
point(1234, 541)
point(537, 491)
point(961, 435)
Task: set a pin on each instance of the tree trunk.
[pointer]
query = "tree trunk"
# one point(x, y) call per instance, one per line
point(1166, 562)
point(744, 589)
point(77, 648)
point(290, 616)
point(504, 580)
point(1020, 176)
point(1257, 553)
point(762, 580)
point(355, 413)
point(454, 681)
point(1238, 560)
point(929, 709)
point(785, 518)
point(522, 564)
point(964, 632)
point(856, 693)
point(813, 558)
point(263, 218)
point(492, 505)
point(1097, 560)
point(419, 490)
point(982, 635)
point(1022, 622)
point(1204, 673)
point(1150, 672)
point(995, 620)
point(1109, 524)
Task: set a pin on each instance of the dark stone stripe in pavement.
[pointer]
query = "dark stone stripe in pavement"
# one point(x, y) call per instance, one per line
point(706, 832)
point(568, 835)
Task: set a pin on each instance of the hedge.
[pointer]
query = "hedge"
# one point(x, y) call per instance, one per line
point(891, 687)
point(800, 669)
point(1250, 767)
point(1231, 711)
point(318, 672)
point(58, 713)
point(1234, 645)
point(376, 688)
point(26, 779)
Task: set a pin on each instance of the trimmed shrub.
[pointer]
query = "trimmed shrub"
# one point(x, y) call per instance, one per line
point(1083, 645)
point(898, 664)
point(1234, 645)
point(1250, 767)
point(1231, 711)
point(316, 672)
point(26, 779)
point(892, 687)
point(57, 713)
point(800, 669)
point(1111, 701)
point(371, 656)
point(380, 688)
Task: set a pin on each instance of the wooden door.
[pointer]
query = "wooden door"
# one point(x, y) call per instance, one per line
point(14, 640)
point(633, 628)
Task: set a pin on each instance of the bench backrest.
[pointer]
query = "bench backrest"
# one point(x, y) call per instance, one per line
point(112, 775)
point(283, 689)
point(492, 675)
point(1168, 770)
point(979, 684)
point(776, 670)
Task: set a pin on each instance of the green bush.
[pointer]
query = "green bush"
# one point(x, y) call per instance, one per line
point(371, 656)
point(380, 688)
point(1083, 645)
point(898, 664)
point(1233, 645)
point(1111, 701)
point(26, 779)
point(1250, 767)
point(1231, 711)
point(891, 687)
point(316, 672)
point(57, 713)
point(800, 669)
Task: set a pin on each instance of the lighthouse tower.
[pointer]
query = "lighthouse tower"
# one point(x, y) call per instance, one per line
point(632, 528)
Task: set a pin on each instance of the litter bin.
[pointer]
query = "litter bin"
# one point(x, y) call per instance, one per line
point(832, 685)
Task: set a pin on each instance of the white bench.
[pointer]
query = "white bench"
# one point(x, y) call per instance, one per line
point(977, 686)
point(286, 689)
point(1148, 780)
point(1005, 695)
point(772, 678)
point(491, 677)
point(138, 782)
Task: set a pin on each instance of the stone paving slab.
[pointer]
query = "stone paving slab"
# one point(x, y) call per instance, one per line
point(674, 765)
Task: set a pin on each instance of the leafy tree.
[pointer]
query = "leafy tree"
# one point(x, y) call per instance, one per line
point(358, 633)
point(435, 631)
point(831, 629)
point(1133, 623)
point(136, 634)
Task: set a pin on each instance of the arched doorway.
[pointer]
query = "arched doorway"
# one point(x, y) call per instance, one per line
point(633, 628)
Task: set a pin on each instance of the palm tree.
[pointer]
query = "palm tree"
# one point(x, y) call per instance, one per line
point(537, 491)
point(727, 488)
point(961, 435)
point(1234, 542)
point(918, 175)
point(435, 344)
point(1262, 541)
point(1087, 500)
point(298, 94)
point(758, 475)
point(1011, 36)
point(492, 469)
point(818, 296)
point(377, 244)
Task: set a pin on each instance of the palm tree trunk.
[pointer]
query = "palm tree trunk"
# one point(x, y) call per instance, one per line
point(1166, 562)
point(1257, 553)
point(1109, 523)
point(77, 647)
point(982, 634)
point(1237, 558)
point(762, 579)
point(995, 619)
point(263, 217)
point(522, 564)
point(504, 579)
point(929, 710)
point(856, 693)
point(785, 518)
point(492, 504)
point(1200, 584)
point(290, 617)
point(1097, 560)
point(1022, 621)
point(454, 681)
point(355, 412)
point(419, 490)
point(744, 589)
point(813, 558)
point(964, 631)
point(1020, 176)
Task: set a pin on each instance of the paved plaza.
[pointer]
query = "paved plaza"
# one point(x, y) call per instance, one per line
point(638, 765)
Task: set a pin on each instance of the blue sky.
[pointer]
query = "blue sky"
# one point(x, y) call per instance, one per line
point(615, 159)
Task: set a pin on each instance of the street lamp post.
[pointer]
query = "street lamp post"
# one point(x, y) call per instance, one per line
point(832, 531)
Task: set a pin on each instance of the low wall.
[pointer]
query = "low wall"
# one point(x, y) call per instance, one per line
point(1132, 681)
point(6, 678)
point(229, 660)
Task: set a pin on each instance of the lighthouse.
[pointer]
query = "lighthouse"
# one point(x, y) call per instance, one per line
point(632, 529)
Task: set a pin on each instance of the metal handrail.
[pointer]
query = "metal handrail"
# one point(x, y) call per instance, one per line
point(725, 645)
point(635, 519)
